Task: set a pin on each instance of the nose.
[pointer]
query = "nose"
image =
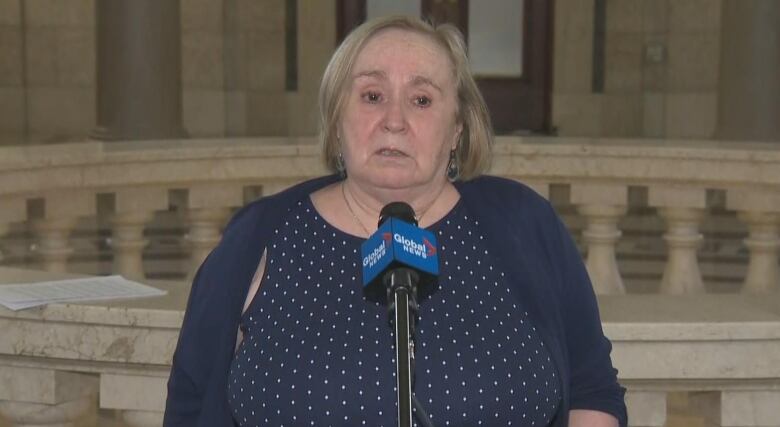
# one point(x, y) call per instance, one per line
point(395, 116)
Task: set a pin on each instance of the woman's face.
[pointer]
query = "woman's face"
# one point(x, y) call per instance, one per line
point(399, 120)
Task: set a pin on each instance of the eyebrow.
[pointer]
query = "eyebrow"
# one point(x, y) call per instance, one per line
point(416, 80)
point(373, 73)
point(420, 80)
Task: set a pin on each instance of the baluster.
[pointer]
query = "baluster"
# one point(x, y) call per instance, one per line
point(133, 210)
point(682, 209)
point(208, 209)
point(763, 243)
point(61, 212)
point(204, 232)
point(761, 211)
point(45, 398)
point(53, 242)
point(602, 205)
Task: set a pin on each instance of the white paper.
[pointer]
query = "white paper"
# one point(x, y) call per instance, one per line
point(18, 296)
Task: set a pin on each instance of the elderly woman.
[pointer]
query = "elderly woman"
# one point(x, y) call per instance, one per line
point(512, 334)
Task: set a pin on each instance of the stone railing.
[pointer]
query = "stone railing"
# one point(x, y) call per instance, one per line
point(48, 189)
point(677, 178)
point(60, 363)
point(107, 364)
point(723, 351)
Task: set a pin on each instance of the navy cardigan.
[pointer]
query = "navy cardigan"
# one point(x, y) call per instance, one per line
point(525, 234)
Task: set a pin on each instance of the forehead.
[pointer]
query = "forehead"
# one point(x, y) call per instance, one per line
point(404, 51)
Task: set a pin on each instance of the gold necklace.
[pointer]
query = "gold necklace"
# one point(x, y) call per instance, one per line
point(360, 223)
point(354, 216)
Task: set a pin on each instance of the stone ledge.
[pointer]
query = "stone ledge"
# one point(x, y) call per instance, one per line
point(92, 166)
point(708, 317)
point(165, 312)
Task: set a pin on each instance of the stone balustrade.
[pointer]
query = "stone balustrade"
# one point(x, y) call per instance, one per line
point(107, 363)
point(48, 189)
point(61, 362)
point(69, 363)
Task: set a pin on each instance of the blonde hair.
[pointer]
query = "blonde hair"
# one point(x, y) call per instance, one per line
point(473, 152)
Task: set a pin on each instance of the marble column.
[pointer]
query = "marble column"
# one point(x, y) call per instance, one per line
point(208, 208)
point(139, 89)
point(749, 84)
point(134, 209)
point(602, 206)
point(682, 209)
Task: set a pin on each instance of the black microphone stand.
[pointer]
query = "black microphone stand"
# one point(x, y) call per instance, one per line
point(401, 283)
point(402, 308)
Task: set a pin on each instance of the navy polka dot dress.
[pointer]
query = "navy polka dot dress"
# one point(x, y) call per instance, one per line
point(316, 353)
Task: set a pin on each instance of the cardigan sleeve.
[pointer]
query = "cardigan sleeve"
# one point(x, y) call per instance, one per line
point(593, 381)
point(197, 383)
point(198, 380)
point(185, 383)
point(197, 386)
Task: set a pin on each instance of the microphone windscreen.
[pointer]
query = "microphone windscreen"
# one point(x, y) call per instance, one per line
point(399, 210)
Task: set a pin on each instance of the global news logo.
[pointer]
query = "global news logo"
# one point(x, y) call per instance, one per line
point(422, 250)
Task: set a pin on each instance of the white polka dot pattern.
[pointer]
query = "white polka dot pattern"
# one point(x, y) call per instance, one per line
point(316, 353)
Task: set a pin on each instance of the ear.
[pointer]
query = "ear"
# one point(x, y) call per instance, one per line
point(458, 132)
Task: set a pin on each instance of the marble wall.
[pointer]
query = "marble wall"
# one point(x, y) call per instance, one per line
point(11, 108)
point(233, 55)
point(660, 70)
point(234, 66)
point(47, 69)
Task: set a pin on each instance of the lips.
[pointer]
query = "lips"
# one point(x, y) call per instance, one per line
point(391, 152)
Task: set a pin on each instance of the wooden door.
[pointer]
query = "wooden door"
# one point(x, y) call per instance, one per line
point(517, 91)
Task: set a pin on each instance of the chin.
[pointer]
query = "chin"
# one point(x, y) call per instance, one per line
point(398, 181)
point(393, 183)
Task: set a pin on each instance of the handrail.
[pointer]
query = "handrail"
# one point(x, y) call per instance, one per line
point(29, 170)
point(676, 175)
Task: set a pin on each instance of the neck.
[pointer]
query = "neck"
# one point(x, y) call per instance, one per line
point(427, 202)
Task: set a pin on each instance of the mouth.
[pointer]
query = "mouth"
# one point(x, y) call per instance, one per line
point(391, 152)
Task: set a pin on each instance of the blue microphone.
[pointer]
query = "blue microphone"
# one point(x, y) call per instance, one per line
point(398, 244)
point(397, 258)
